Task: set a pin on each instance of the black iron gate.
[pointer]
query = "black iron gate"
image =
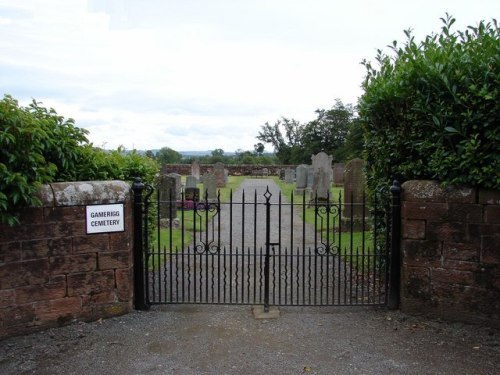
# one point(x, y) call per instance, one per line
point(265, 249)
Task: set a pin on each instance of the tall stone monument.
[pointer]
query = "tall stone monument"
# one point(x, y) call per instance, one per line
point(195, 170)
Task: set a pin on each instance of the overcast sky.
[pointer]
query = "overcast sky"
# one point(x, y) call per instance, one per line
point(202, 74)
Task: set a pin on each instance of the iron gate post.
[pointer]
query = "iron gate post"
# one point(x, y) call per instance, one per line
point(395, 260)
point(267, 195)
point(139, 301)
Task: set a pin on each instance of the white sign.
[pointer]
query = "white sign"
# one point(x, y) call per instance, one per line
point(105, 218)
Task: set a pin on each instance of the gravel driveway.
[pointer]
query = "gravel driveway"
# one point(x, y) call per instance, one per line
point(228, 340)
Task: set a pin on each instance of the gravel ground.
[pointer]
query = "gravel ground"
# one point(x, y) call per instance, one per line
point(194, 339)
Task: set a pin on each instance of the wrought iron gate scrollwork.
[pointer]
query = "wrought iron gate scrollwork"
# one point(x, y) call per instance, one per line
point(205, 214)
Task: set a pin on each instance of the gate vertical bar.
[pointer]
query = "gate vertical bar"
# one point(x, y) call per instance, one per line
point(268, 245)
point(395, 261)
point(139, 301)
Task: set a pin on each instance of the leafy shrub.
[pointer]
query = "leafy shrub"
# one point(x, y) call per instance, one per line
point(432, 109)
point(37, 146)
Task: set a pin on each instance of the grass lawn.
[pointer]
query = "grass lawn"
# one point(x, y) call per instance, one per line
point(173, 239)
point(353, 245)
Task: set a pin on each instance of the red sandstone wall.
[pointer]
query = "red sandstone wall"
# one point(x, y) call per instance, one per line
point(451, 252)
point(52, 272)
point(234, 170)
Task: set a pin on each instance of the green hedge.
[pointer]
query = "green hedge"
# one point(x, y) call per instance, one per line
point(431, 110)
point(37, 146)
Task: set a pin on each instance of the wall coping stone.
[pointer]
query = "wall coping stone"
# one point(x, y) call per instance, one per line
point(432, 191)
point(65, 194)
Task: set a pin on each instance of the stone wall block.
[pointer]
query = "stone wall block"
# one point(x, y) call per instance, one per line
point(424, 211)
point(452, 276)
point(448, 232)
point(492, 215)
point(33, 272)
point(461, 251)
point(57, 214)
point(91, 243)
point(73, 264)
point(89, 283)
point(422, 253)
point(110, 261)
point(470, 213)
point(10, 252)
point(414, 229)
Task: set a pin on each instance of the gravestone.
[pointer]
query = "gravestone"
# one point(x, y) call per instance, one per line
point(322, 169)
point(289, 176)
point(301, 176)
point(219, 174)
point(265, 172)
point(354, 187)
point(338, 174)
point(310, 176)
point(178, 184)
point(209, 187)
point(282, 174)
point(192, 194)
point(191, 182)
point(195, 170)
point(167, 189)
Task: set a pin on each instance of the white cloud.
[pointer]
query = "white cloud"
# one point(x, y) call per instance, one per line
point(194, 74)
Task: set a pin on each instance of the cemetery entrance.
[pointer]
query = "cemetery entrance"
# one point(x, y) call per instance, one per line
point(259, 246)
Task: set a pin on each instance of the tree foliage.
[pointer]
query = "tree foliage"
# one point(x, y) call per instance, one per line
point(37, 146)
point(432, 109)
point(294, 142)
point(166, 155)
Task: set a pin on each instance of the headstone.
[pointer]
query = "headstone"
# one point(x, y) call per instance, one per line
point(195, 169)
point(282, 174)
point(178, 184)
point(219, 174)
point(301, 176)
point(226, 176)
point(354, 187)
point(321, 166)
point(265, 172)
point(310, 176)
point(209, 187)
point(191, 182)
point(289, 176)
point(167, 188)
point(338, 174)
point(192, 194)
point(321, 161)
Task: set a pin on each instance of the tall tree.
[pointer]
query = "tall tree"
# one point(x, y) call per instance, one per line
point(166, 155)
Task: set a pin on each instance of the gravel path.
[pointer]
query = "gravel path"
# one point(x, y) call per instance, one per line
point(227, 340)
point(194, 339)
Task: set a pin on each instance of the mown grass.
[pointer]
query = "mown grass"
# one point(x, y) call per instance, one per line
point(174, 238)
point(353, 244)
